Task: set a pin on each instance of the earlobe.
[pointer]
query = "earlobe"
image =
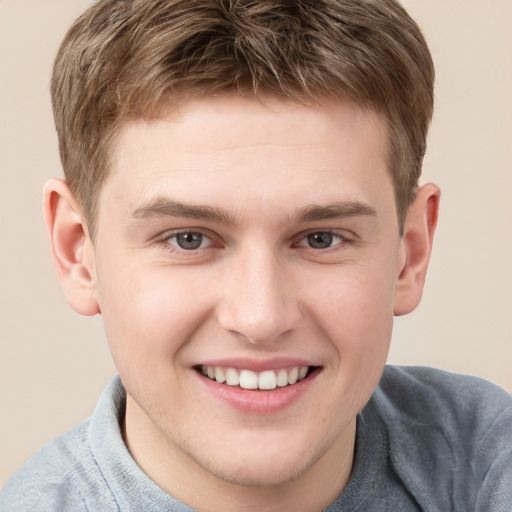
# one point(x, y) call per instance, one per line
point(73, 253)
point(417, 241)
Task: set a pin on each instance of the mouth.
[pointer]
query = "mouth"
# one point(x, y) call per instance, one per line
point(251, 380)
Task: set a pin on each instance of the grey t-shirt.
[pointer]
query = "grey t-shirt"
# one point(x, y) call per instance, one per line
point(426, 441)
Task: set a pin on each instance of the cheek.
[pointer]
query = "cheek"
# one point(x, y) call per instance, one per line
point(356, 313)
point(149, 316)
point(356, 317)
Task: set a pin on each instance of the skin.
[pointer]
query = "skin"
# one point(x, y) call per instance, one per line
point(255, 292)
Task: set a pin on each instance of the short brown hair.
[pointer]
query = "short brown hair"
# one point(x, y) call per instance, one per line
point(126, 59)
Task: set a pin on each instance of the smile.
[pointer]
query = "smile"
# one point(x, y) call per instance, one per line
point(248, 379)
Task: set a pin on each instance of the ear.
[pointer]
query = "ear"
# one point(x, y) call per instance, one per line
point(73, 252)
point(416, 247)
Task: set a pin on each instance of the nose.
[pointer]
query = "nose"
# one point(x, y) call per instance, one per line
point(258, 300)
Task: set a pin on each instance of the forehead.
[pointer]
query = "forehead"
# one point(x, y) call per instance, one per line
point(211, 149)
point(210, 119)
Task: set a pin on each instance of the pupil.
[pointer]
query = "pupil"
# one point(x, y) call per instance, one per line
point(189, 241)
point(320, 240)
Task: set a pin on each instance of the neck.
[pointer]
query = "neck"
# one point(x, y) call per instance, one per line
point(312, 490)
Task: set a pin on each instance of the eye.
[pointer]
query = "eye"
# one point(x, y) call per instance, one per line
point(321, 240)
point(189, 240)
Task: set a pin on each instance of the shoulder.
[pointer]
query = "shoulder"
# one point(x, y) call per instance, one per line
point(448, 432)
point(52, 479)
point(429, 395)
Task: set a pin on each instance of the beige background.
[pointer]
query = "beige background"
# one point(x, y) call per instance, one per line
point(53, 363)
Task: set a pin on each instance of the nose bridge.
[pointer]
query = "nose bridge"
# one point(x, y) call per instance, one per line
point(258, 301)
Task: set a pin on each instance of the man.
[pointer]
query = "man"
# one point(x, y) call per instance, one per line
point(242, 207)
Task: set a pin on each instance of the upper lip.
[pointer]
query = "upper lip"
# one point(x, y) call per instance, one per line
point(257, 365)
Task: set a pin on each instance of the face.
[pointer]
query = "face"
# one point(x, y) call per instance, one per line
point(246, 261)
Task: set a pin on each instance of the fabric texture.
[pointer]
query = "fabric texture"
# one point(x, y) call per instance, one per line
point(427, 440)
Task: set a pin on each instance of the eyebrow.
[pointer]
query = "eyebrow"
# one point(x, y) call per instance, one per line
point(164, 207)
point(341, 210)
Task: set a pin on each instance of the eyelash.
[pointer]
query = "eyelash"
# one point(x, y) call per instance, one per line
point(332, 234)
point(166, 240)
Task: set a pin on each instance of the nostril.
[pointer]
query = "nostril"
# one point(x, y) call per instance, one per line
point(258, 303)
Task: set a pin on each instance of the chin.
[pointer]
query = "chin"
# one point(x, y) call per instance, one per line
point(261, 464)
point(268, 473)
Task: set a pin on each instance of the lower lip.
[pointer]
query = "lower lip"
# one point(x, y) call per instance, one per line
point(258, 401)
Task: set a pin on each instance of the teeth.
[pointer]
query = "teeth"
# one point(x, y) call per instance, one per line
point(282, 378)
point(267, 380)
point(232, 377)
point(220, 376)
point(293, 376)
point(248, 379)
